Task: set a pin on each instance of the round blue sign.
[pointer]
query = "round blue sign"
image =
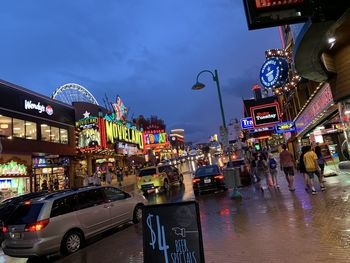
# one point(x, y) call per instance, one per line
point(274, 72)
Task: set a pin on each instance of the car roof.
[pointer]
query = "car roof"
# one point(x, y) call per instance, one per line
point(209, 166)
point(62, 193)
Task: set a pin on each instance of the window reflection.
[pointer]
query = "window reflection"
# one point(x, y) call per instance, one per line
point(5, 126)
point(30, 130)
point(55, 134)
point(45, 132)
point(64, 136)
point(18, 128)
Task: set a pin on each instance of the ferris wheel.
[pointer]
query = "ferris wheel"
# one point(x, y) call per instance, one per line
point(72, 92)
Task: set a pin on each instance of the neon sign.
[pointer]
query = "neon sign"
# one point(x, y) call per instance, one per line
point(13, 168)
point(265, 115)
point(287, 126)
point(118, 132)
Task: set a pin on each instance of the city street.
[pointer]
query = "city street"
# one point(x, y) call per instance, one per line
point(269, 226)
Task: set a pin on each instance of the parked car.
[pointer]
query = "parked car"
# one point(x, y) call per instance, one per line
point(208, 178)
point(7, 206)
point(155, 178)
point(63, 221)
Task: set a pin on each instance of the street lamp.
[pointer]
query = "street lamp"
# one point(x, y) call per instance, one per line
point(200, 85)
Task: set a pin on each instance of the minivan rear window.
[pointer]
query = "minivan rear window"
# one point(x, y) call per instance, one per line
point(25, 214)
point(147, 172)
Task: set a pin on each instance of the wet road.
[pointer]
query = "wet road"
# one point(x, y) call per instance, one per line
point(269, 226)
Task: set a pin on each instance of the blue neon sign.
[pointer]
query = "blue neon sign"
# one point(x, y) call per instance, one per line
point(247, 123)
point(288, 126)
point(274, 72)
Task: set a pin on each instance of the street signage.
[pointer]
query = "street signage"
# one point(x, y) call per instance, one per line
point(261, 129)
point(269, 13)
point(288, 126)
point(247, 123)
point(172, 233)
point(274, 72)
point(265, 115)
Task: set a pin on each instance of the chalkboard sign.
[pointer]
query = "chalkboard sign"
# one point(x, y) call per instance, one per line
point(172, 233)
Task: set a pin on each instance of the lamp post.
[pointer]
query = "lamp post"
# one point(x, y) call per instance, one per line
point(200, 85)
point(235, 193)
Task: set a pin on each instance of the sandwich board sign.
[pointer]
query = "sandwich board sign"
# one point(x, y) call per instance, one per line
point(172, 233)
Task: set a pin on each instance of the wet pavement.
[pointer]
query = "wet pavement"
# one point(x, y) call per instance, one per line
point(270, 226)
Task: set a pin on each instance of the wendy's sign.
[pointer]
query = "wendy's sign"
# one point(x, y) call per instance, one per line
point(265, 115)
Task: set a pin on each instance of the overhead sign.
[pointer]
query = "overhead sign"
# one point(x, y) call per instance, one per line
point(269, 13)
point(265, 115)
point(319, 103)
point(247, 123)
point(261, 129)
point(172, 233)
point(288, 126)
point(274, 72)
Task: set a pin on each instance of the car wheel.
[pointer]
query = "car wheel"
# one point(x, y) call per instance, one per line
point(137, 214)
point(166, 185)
point(72, 242)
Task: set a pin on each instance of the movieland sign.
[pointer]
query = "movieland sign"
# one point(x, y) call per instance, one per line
point(116, 132)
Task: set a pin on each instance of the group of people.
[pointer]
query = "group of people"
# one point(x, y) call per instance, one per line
point(53, 185)
point(106, 177)
point(263, 166)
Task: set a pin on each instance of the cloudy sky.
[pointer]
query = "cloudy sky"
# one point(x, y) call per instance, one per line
point(147, 51)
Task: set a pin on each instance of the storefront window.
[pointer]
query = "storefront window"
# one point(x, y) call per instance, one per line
point(5, 126)
point(18, 128)
point(30, 130)
point(45, 132)
point(64, 136)
point(55, 134)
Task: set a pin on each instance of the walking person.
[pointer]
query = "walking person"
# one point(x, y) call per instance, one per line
point(287, 164)
point(311, 166)
point(119, 176)
point(262, 171)
point(321, 163)
point(302, 168)
point(253, 174)
point(273, 170)
point(109, 177)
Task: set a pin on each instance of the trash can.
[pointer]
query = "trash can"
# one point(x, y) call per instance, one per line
point(232, 177)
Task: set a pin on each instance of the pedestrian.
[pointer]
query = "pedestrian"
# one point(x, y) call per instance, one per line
point(44, 185)
point(287, 164)
point(253, 169)
point(262, 171)
point(119, 176)
point(109, 177)
point(51, 185)
point(96, 179)
point(56, 185)
point(273, 170)
point(302, 168)
point(311, 166)
point(86, 180)
point(321, 163)
point(66, 182)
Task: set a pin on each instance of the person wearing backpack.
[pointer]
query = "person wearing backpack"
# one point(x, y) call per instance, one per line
point(273, 170)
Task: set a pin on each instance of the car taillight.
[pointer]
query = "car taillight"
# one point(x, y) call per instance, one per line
point(156, 175)
point(196, 180)
point(4, 229)
point(219, 177)
point(37, 226)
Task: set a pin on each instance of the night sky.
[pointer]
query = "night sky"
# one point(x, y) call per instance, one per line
point(147, 51)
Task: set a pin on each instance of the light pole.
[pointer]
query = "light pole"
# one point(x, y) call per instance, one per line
point(200, 85)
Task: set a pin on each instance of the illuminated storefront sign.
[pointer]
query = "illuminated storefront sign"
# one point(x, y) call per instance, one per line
point(153, 137)
point(117, 132)
point(265, 115)
point(89, 136)
point(274, 72)
point(319, 103)
point(29, 105)
point(13, 168)
point(247, 123)
point(287, 126)
point(261, 129)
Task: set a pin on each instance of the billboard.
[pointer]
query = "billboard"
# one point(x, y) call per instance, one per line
point(265, 115)
point(270, 13)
